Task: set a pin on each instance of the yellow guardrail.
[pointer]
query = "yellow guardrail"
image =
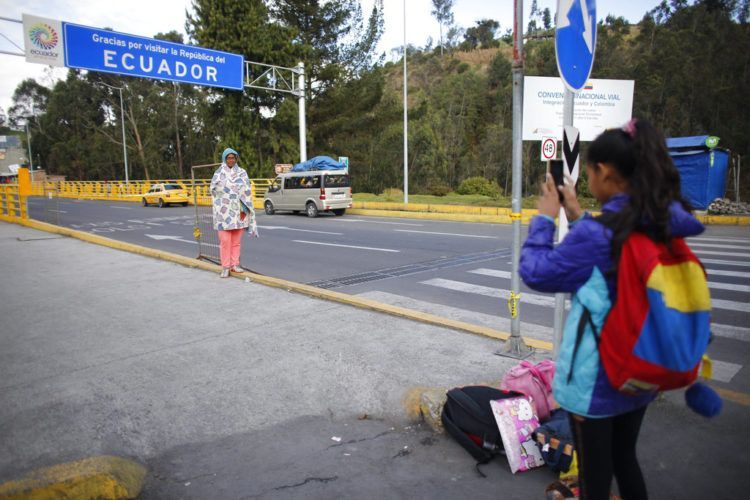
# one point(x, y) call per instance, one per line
point(133, 191)
point(12, 204)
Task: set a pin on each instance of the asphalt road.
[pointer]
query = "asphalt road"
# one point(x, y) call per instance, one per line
point(457, 270)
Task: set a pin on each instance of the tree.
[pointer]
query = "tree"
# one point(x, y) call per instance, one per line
point(241, 27)
point(546, 18)
point(482, 35)
point(330, 38)
point(534, 13)
point(29, 101)
point(443, 12)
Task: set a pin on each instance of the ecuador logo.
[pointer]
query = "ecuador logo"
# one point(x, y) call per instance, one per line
point(43, 36)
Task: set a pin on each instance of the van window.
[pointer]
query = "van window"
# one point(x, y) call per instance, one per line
point(337, 180)
point(275, 185)
point(291, 183)
point(312, 181)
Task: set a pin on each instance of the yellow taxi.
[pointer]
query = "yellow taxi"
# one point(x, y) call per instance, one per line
point(165, 194)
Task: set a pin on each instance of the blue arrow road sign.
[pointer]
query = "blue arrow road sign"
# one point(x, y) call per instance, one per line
point(575, 41)
point(112, 52)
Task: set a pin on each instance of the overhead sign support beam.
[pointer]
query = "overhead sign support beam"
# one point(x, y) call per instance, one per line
point(280, 79)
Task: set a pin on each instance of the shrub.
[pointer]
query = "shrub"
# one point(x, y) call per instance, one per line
point(394, 193)
point(479, 185)
point(437, 189)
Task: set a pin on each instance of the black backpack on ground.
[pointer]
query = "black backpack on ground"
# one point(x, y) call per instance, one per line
point(467, 416)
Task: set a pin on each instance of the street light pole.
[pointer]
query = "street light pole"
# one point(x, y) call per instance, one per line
point(406, 123)
point(124, 147)
point(122, 123)
point(28, 143)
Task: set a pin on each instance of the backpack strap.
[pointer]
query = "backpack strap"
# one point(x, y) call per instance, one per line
point(585, 318)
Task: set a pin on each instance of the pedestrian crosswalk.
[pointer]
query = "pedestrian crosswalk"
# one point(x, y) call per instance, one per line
point(723, 259)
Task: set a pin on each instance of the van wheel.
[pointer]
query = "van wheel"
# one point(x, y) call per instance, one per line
point(339, 211)
point(268, 206)
point(161, 203)
point(312, 210)
point(144, 202)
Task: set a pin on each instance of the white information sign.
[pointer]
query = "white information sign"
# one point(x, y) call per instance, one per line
point(43, 40)
point(549, 148)
point(599, 105)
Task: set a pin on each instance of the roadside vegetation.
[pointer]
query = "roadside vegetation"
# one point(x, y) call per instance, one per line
point(689, 60)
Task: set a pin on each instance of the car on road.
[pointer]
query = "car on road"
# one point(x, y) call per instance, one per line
point(165, 194)
point(310, 191)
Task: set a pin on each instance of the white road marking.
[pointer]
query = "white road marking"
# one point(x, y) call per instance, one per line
point(736, 274)
point(445, 234)
point(160, 237)
point(122, 208)
point(347, 246)
point(475, 318)
point(543, 300)
point(728, 286)
point(144, 222)
point(58, 211)
point(714, 245)
point(301, 230)
point(724, 371)
point(460, 286)
point(726, 262)
point(380, 222)
point(730, 305)
point(728, 254)
point(731, 332)
point(496, 273)
point(728, 238)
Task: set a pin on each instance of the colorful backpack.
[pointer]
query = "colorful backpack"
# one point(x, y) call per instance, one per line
point(534, 381)
point(657, 331)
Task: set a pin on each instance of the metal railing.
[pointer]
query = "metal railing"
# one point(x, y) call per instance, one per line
point(12, 204)
point(134, 190)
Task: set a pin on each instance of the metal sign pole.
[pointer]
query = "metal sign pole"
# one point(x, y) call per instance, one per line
point(515, 347)
point(562, 229)
point(575, 44)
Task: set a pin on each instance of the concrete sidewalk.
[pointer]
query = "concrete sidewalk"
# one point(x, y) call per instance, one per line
point(230, 389)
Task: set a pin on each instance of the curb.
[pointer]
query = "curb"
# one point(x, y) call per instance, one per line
point(527, 214)
point(96, 477)
point(290, 286)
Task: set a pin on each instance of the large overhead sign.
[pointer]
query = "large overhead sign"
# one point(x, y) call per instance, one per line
point(106, 51)
point(599, 105)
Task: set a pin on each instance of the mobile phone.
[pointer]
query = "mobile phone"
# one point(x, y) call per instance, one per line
point(555, 168)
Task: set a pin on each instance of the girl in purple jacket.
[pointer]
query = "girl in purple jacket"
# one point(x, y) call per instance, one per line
point(631, 174)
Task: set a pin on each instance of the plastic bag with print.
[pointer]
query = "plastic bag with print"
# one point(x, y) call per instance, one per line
point(517, 420)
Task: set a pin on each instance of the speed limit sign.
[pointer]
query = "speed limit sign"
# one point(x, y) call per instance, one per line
point(549, 148)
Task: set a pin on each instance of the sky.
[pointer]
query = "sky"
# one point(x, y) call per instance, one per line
point(148, 17)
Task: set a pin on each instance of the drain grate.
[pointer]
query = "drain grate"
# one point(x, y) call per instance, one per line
point(406, 270)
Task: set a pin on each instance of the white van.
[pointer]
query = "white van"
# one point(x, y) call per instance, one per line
point(311, 191)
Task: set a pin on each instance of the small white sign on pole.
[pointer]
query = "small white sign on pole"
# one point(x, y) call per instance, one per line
point(549, 148)
point(599, 105)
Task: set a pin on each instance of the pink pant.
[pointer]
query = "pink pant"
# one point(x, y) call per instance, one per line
point(230, 242)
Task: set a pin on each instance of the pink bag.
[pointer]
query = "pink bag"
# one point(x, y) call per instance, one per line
point(535, 381)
